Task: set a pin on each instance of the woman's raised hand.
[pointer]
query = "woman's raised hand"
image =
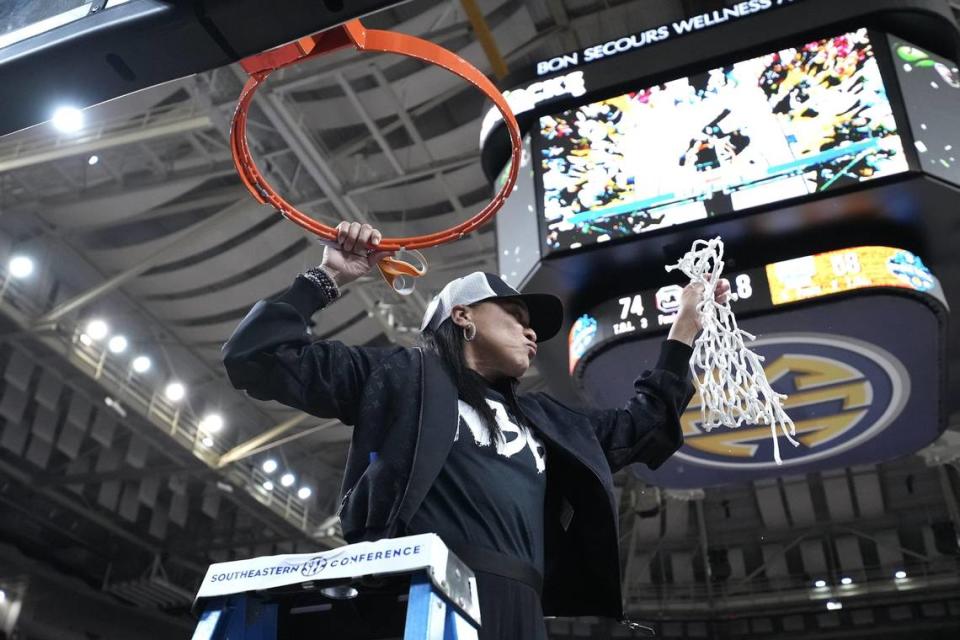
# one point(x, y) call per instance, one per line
point(355, 253)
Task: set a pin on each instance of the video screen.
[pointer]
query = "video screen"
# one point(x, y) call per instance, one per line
point(930, 85)
point(788, 124)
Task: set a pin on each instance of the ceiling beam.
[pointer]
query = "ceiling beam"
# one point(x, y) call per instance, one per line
point(368, 121)
point(483, 33)
point(418, 139)
point(213, 198)
point(94, 293)
point(317, 428)
point(254, 444)
point(282, 117)
point(413, 175)
point(182, 172)
point(353, 147)
point(84, 146)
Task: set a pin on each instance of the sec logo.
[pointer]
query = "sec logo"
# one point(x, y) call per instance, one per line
point(313, 566)
point(842, 392)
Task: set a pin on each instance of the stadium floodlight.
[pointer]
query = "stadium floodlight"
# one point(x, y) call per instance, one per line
point(97, 329)
point(211, 423)
point(142, 364)
point(117, 344)
point(20, 266)
point(175, 392)
point(68, 119)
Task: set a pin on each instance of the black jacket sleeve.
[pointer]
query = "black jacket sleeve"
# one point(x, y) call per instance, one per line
point(648, 428)
point(271, 356)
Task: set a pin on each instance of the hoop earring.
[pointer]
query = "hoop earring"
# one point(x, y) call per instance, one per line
point(470, 332)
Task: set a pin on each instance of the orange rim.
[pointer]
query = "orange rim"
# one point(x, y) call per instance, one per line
point(260, 66)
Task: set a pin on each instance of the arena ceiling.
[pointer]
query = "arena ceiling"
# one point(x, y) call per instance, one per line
point(158, 238)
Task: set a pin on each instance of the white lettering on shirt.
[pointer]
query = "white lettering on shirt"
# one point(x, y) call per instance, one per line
point(514, 437)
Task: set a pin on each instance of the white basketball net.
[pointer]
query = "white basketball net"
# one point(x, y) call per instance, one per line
point(733, 388)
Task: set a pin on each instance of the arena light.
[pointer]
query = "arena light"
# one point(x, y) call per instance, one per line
point(340, 592)
point(3, 595)
point(207, 442)
point(834, 605)
point(900, 575)
point(211, 423)
point(92, 160)
point(85, 340)
point(20, 266)
point(142, 364)
point(97, 329)
point(117, 344)
point(287, 479)
point(268, 485)
point(269, 465)
point(175, 392)
point(116, 406)
point(68, 119)
point(304, 493)
point(846, 581)
point(820, 584)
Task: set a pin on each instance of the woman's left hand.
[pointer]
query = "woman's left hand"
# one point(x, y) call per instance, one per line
point(687, 325)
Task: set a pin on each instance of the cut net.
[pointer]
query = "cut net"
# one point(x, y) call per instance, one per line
point(733, 387)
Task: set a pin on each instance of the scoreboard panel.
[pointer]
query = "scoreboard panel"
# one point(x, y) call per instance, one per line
point(758, 290)
point(825, 156)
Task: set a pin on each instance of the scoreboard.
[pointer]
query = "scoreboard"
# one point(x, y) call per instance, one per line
point(819, 140)
point(615, 161)
point(853, 338)
point(755, 291)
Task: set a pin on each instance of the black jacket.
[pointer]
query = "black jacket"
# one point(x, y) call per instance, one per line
point(403, 405)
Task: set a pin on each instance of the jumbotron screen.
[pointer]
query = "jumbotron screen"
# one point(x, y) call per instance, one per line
point(791, 123)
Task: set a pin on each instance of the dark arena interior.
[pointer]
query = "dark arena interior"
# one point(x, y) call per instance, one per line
point(145, 495)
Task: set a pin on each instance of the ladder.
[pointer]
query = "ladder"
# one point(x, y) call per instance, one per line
point(356, 592)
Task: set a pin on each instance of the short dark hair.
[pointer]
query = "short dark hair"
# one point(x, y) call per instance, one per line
point(447, 342)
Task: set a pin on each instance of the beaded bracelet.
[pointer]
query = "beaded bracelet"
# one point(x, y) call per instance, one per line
point(319, 277)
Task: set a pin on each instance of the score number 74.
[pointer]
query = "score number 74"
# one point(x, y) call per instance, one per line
point(633, 305)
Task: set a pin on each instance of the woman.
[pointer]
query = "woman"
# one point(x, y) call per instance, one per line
point(519, 486)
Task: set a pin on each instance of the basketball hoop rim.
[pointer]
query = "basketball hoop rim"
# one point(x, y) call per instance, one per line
point(259, 67)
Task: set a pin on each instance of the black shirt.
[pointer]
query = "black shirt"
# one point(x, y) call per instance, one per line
point(490, 496)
